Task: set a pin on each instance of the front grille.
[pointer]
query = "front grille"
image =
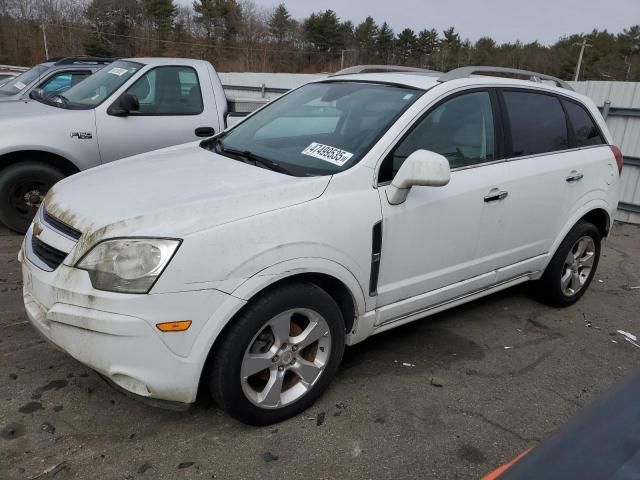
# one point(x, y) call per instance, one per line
point(59, 225)
point(52, 257)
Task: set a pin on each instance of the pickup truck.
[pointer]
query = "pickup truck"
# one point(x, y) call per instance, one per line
point(130, 107)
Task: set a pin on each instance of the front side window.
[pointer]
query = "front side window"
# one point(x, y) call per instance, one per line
point(537, 123)
point(320, 128)
point(20, 82)
point(584, 129)
point(168, 91)
point(63, 81)
point(99, 86)
point(461, 129)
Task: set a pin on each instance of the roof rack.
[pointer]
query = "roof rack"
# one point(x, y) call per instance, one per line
point(466, 72)
point(380, 69)
point(82, 59)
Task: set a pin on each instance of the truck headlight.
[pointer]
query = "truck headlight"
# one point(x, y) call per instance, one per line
point(128, 265)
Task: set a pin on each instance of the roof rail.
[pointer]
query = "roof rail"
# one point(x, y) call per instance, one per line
point(82, 59)
point(466, 72)
point(380, 69)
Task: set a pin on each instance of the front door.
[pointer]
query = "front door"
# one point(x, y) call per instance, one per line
point(171, 109)
point(429, 246)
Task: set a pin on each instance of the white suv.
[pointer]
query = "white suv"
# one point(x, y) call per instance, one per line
point(347, 207)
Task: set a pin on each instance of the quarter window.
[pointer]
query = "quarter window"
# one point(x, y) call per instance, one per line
point(585, 131)
point(168, 91)
point(537, 122)
point(461, 129)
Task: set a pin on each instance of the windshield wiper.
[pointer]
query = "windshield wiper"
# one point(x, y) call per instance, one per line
point(246, 156)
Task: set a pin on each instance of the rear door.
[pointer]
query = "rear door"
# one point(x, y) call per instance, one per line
point(537, 144)
point(172, 111)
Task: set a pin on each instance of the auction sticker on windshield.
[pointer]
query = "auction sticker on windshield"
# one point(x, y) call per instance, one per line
point(19, 85)
point(327, 153)
point(118, 71)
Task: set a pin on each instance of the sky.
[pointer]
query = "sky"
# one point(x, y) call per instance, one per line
point(503, 20)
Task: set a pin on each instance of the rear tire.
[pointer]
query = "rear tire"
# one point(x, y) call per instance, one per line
point(23, 185)
point(279, 356)
point(572, 267)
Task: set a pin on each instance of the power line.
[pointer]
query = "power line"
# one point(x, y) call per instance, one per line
point(201, 45)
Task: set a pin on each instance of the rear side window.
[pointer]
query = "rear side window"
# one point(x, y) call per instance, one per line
point(537, 122)
point(585, 131)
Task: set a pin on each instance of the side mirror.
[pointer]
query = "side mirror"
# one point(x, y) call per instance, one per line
point(126, 104)
point(422, 168)
point(36, 94)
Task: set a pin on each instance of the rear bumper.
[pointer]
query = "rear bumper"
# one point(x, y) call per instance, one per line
point(115, 334)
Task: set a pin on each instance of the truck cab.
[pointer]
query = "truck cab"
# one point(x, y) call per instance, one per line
point(130, 107)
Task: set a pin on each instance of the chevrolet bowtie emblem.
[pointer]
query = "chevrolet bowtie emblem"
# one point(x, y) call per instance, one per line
point(37, 229)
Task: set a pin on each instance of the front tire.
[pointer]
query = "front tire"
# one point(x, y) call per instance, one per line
point(23, 185)
point(572, 267)
point(279, 356)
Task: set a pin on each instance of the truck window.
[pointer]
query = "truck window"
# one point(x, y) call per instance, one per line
point(63, 81)
point(168, 91)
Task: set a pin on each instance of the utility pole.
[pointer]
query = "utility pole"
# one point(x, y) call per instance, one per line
point(44, 38)
point(583, 45)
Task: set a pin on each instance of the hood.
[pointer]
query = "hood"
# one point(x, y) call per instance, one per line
point(12, 109)
point(171, 193)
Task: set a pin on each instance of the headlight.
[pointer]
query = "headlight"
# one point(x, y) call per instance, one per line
point(128, 265)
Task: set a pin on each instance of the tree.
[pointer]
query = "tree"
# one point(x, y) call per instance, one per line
point(160, 14)
point(322, 30)
point(112, 22)
point(365, 40)
point(406, 46)
point(384, 43)
point(449, 49)
point(484, 51)
point(427, 46)
point(281, 25)
point(219, 18)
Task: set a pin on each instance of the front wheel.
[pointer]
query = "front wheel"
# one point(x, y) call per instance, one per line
point(573, 266)
point(23, 185)
point(279, 356)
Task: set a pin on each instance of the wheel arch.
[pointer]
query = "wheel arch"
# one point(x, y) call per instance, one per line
point(58, 161)
point(340, 290)
point(596, 212)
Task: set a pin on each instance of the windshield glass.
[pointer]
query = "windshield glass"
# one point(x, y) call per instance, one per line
point(20, 82)
point(321, 128)
point(98, 87)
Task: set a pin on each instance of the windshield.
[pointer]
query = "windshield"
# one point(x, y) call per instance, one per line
point(98, 87)
point(20, 82)
point(320, 128)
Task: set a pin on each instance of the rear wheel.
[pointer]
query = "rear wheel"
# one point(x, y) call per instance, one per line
point(280, 355)
point(573, 266)
point(23, 186)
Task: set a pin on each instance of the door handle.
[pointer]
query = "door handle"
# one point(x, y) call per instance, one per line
point(574, 177)
point(494, 197)
point(205, 132)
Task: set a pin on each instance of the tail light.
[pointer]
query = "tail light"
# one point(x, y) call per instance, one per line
point(619, 158)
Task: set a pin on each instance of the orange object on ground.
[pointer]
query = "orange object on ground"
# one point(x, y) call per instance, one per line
point(499, 471)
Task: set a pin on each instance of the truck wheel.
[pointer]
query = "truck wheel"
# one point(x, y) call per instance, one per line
point(572, 268)
point(23, 185)
point(279, 356)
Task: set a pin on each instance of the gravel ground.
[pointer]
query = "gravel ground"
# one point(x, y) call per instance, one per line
point(449, 397)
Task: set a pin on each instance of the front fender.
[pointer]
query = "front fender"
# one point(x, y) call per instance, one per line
point(289, 268)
